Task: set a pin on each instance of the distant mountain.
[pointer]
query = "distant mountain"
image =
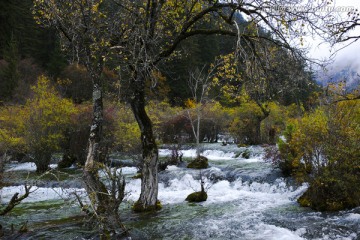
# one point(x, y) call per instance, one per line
point(350, 76)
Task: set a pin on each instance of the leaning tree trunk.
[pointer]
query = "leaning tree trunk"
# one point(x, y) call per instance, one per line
point(149, 181)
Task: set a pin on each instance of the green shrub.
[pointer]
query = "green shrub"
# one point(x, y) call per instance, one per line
point(323, 149)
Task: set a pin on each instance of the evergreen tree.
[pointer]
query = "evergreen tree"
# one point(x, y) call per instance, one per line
point(18, 24)
point(9, 76)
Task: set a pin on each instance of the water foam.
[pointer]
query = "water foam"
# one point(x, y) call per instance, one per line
point(353, 217)
point(40, 194)
point(122, 170)
point(27, 166)
point(214, 154)
point(177, 189)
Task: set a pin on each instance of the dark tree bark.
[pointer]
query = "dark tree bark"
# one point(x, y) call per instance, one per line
point(42, 161)
point(149, 182)
point(105, 202)
point(87, 33)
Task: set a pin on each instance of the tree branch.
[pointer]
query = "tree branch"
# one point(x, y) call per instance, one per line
point(15, 200)
point(186, 35)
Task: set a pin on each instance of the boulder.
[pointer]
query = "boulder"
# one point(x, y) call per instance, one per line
point(197, 197)
point(200, 162)
point(330, 194)
point(246, 154)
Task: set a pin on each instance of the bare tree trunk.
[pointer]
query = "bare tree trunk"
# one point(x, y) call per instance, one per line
point(3, 159)
point(42, 160)
point(104, 202)
point(149, 181)
point(198, 131)
point(96, 129)
point(257, 133)
point(92, 160)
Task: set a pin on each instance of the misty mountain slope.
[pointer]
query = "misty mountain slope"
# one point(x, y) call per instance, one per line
point(346, 74)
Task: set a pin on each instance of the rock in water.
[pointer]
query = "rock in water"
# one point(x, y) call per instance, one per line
point(246, 154)
point(200, 162)
point(197, 197)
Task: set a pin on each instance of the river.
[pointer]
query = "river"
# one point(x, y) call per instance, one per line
point(247, 199)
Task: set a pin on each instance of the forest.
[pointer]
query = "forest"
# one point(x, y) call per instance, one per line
point(174, 119)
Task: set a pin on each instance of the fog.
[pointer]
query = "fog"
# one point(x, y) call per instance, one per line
point(344, 55)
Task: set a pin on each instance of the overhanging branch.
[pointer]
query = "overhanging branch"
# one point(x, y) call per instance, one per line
point(167, 52)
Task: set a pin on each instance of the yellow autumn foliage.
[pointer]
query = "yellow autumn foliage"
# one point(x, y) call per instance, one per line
point(126, 130)
point(46, 115)
point(323, 149)
point(190, 103)
point(38, 126)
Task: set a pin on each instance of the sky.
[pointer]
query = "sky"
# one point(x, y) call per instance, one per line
point(348, 56)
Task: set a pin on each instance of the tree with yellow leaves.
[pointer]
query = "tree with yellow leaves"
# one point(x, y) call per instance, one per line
point(37, 128)
point(322, 148)
point(141, 35)
point(44, 118)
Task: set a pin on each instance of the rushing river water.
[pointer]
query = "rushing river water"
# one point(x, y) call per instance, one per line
point(247, 199)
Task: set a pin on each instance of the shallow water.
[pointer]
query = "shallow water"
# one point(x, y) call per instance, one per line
point(247, 199)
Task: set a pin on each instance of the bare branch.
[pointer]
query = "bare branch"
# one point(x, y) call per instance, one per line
point(16, 200)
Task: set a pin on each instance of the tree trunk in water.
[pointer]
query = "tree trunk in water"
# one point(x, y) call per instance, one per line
point(198, 133)
point(95, 130)
point(42, 161)
point(266, 113)
point(104, 204)
point(257, 138)
point(149, 181)
point(257, 134)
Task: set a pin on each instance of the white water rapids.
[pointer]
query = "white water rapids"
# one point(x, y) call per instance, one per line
point(246, 200)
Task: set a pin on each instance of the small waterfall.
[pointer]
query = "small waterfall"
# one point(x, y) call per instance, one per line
point(247, 199)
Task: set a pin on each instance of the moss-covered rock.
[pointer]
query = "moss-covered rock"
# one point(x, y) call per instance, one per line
point(242, 145)
point(321, 204)
point(246, 154)
point(137, 176)
point(304, 201)
point(237, 155)
point(200, 162)
point(138, 207)
point(197, 197)
point(330, 194)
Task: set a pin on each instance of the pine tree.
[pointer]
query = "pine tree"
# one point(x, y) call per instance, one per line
point(9, 75)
